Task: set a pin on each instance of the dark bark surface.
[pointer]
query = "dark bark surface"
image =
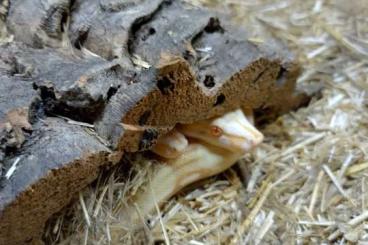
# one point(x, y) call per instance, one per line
point(38, 23)
point(57, 159)
point(127, 71)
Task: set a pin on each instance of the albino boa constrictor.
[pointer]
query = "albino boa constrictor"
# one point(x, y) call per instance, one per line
point(192, 152)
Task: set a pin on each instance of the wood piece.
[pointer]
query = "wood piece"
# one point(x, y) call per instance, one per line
point(38, 23)
point(71, 83)
point(45, 160)
point(12, 133)
point(57, 160)
point(203, 69)
point(104, 27)
point(200, 66)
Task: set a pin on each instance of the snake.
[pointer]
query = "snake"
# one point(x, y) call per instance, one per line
point(192, 152)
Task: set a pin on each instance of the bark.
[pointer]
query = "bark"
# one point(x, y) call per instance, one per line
point(55, 161)
point(133, 70)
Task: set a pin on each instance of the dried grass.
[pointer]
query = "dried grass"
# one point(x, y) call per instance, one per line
point(307, 182)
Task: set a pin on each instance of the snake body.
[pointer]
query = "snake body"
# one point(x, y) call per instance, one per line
point(192, 152)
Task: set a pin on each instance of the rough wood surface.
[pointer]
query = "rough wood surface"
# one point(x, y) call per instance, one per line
point(56, 159)
point(131, 70)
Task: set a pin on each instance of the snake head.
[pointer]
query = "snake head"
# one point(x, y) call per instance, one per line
point(232, 131)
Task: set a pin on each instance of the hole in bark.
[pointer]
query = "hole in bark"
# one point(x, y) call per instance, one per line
point(82, 37)
point(111, 92)
point(148, 139)
point(63, 21)
point(264, 114)
point(147, 32)
point(47, 93)
point(281, 79)
point(209, 81)
point(165, 85)
point(220, 99)
point(159, 242)
point(54, 21)
point(152, 31)
point(74, 105)
point(186, 55)
point(144, 117)
point(72, 2)
point(214, 26)
point(140, 24)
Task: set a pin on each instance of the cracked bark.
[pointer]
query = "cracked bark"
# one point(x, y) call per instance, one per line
point(82, 60)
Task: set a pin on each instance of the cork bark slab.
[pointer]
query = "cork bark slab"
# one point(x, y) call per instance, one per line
point(115, 67)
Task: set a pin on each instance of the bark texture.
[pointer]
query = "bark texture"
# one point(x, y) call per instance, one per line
point(86, 81)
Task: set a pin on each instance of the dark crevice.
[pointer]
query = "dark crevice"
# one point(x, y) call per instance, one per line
point(159, 242)
point(151, 31)
point(209, 81)
point(75, 105)
point(81, 39)
point(165, 85)
point(55, 20)
point(148, 139)
point(259, 75)
point(219, 100)
point(46, 92)
point(147, 32)
point(86, 114)
point(144, 118)
point(196, 37)
point(281, 72)
point(71, 5)
point(111, 92)
point(214, 25)
point(140, 22)
point(263, 114)
point(77, 102)
point(281, 78)
point(63, 21)
point(187, 55)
